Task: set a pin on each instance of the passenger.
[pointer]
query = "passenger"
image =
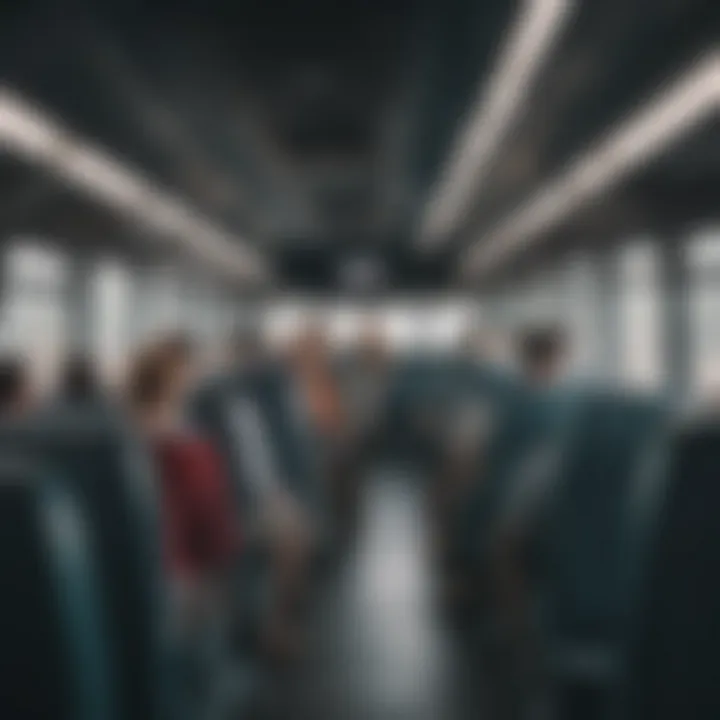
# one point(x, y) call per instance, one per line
point(201, 533)
point(321, 398)
point(368, 387)
point(281, 522)
point(201, 539)
point(310, 359)
point(79, 381)
point(542, 355)
point(16, 397)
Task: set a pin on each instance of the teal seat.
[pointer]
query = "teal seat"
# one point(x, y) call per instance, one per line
point(270, 391)
point(423, 396)
point(94, 452)
point(582, 581)
point(672, 665)
point(518, 419)
point(55, 660)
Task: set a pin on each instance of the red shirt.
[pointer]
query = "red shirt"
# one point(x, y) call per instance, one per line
point(199, 524)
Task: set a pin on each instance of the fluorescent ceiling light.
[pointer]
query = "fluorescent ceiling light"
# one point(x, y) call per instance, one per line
point(29, 133)
point(665, 120)
point(530, 40)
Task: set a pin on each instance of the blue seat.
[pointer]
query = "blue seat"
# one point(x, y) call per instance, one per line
point(423, 396)
point(55, 661)
point(674, 630)
point(270, 390)
point(514, 415)
point(582, 584)
point(94, 452)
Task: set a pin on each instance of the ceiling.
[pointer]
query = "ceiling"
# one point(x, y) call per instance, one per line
point(315, 131)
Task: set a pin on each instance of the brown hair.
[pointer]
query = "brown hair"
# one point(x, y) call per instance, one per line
point(178, 347)
point(541, 345)
point(150, 377)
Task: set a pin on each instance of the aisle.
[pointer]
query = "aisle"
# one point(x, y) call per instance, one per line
point(379, 652)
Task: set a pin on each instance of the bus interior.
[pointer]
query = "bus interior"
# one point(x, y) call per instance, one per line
point(360, 360)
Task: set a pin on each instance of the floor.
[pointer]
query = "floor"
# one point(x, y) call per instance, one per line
point(379, 650)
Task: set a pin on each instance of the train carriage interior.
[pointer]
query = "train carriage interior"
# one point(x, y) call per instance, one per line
point(360, 360)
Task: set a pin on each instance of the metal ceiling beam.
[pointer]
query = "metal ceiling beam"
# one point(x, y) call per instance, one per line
point(665, 120)
point(499, 103)
point(31, 135)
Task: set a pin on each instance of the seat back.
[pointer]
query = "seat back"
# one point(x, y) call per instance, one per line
point(673, 666)
point(54, 656)
point(271, 393)
point(425, 395)
point(530, 425)
point(611, 437)
point(106, 467)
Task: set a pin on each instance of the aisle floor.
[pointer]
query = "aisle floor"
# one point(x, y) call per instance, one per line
point(379, 650)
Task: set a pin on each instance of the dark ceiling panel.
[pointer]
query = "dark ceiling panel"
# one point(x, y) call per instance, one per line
point(316, 128)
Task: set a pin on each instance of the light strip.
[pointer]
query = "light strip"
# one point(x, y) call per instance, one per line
point(30, 133)
point(662, 122)
point(532, 37)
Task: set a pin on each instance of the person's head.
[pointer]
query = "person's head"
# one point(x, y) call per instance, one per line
point(542, 354)
point(15, 387)
point(372, 347)
point(247, 347)
point(180, 351)
point(79, 379)
point(309, 349)
point(157, 385)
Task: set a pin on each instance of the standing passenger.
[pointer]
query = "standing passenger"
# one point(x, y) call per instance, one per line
point(201, 533)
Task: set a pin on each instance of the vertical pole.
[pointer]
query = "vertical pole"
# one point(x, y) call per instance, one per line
point(80, 305)
point(676, 320)
point(608, 314)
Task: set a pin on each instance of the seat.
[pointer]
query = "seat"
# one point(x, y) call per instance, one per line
point(582, 583)
point(672, 666)
point(515, 419)
point(270, 392)
point(54, 655)
point(94, 452)
point(423, 397)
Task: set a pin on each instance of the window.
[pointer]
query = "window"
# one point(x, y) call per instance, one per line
point(640, 315)
point(33, 322)
point(704, 302)
point(111, 292)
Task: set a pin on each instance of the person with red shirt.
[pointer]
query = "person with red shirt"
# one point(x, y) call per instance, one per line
point(200, 530)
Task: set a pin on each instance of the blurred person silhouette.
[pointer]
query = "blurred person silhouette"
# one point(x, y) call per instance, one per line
point(368, 384)
point(310, 359)
point(542, 354)
point(321, 402)
point(16, 392)
point(79, 381)
point(201, 533)
point(278, 520)
point(468, 426)
point(366, 377)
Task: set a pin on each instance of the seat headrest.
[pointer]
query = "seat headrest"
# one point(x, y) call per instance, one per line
point(55, 654)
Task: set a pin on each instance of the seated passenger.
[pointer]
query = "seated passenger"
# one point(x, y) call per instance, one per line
point(79, 382)
point(16, 396)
